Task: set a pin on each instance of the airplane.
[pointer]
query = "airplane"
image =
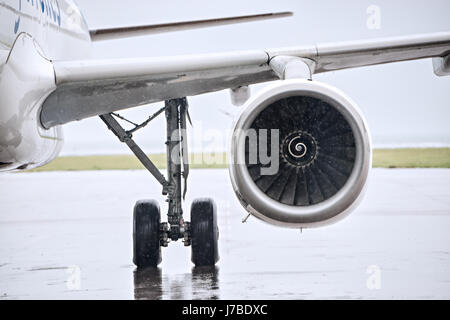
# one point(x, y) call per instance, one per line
point(300, 152)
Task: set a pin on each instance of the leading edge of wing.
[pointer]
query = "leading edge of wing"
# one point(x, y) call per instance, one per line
point(326, 57)
point(94, 70)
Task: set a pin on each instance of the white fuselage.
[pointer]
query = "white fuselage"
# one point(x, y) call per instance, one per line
point(33, 33)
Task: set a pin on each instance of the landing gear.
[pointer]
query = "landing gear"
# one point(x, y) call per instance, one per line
point(149, 234)
point(146, 234)
point(204, 233)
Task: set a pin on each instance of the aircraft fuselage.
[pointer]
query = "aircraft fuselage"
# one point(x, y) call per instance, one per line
point(33, 33)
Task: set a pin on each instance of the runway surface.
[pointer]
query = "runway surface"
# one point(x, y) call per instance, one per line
point(67, 235)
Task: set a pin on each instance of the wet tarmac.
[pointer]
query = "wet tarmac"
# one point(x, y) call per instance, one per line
point(67, 235)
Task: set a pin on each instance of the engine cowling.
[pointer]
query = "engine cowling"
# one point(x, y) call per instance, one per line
point(321, 143)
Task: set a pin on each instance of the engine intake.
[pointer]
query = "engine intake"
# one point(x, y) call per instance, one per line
point(318, 142)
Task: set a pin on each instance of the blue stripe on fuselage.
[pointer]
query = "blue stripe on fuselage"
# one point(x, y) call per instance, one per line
point(46, 7)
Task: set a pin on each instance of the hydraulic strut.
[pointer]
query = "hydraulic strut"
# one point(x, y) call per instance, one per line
point(127, 138)
point(176, 112)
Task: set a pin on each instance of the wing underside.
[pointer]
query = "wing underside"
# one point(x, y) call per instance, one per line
point(93, 87)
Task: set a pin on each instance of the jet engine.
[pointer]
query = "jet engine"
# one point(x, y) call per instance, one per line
point(300, 154)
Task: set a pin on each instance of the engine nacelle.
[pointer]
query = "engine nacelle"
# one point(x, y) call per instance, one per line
point(300, 154)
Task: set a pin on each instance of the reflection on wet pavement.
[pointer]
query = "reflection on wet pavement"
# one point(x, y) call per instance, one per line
point(203, 283)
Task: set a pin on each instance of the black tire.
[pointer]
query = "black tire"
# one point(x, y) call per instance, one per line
point(204, 233)
point(146, 234)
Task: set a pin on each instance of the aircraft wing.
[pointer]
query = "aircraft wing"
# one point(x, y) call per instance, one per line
point(133, 31)
point(94, 87)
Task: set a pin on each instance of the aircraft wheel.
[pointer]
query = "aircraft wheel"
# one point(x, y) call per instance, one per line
point(204, 233)
point(146, 234)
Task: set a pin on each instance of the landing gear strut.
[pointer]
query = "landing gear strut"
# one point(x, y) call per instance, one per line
point(149, 233)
